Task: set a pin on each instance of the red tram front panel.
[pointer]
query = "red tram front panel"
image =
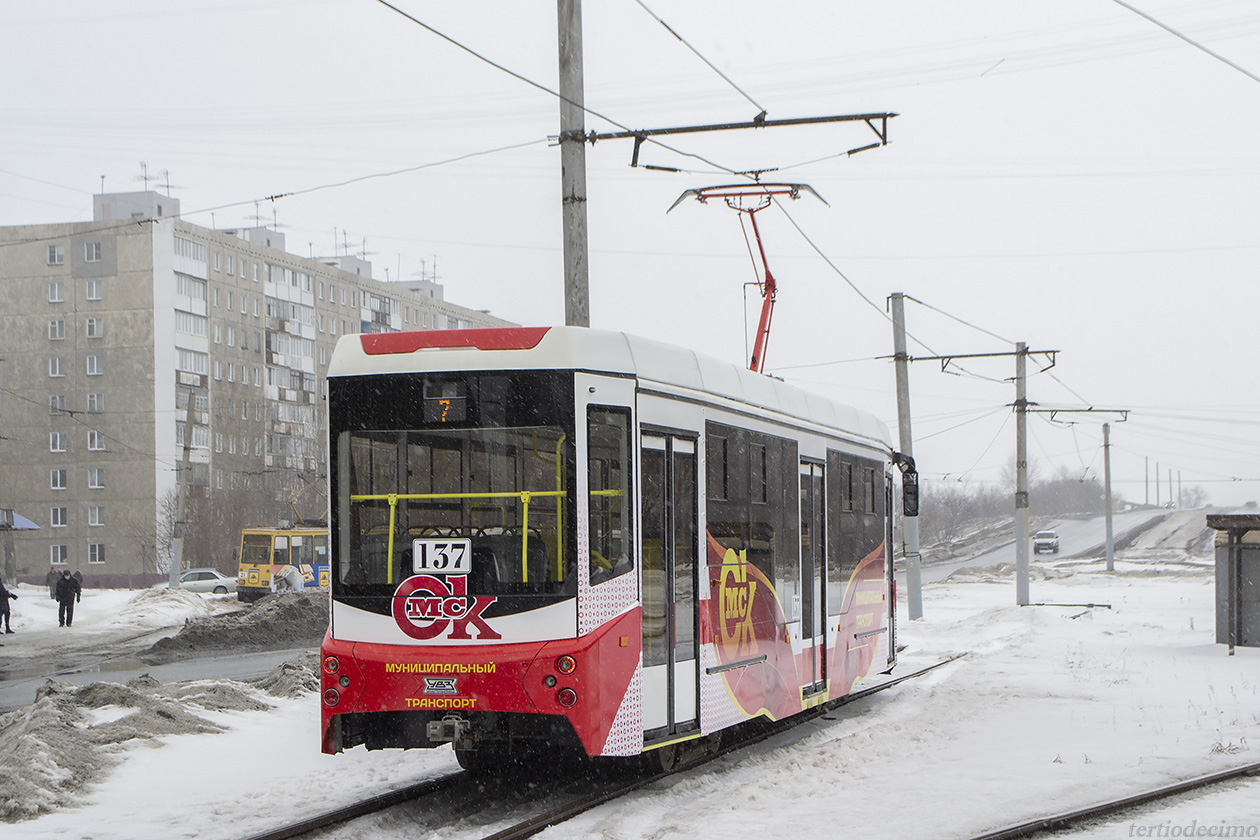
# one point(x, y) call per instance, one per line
point(526, 678)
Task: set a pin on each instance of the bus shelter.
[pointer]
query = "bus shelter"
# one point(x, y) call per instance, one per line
point(1237, 578)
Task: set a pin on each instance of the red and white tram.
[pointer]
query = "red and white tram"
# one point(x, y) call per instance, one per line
point(588, 538)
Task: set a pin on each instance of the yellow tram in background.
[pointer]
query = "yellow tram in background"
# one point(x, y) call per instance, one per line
point(266, 554)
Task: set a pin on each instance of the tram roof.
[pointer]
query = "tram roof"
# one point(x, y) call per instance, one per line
point(598, 351)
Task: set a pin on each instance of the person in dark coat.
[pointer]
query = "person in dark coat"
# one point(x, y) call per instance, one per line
point(51, 579)
point(5, 595)
point(68, 592)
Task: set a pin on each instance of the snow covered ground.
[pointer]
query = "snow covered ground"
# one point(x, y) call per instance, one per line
point(1054, 708)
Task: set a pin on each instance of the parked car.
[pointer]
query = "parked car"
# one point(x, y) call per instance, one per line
point(1045, 541)
point(204, 580)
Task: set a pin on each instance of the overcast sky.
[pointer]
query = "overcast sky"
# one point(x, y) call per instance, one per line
point(1063, 173)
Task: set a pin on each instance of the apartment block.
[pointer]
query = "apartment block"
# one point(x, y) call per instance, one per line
point(125, 338)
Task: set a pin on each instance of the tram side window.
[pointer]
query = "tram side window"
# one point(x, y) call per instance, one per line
point(756, 467)
point(280, 556)
point(608, 489)
point(855, 521)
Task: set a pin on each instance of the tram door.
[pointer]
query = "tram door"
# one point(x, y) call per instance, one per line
point(670, 676)
point(813, 575)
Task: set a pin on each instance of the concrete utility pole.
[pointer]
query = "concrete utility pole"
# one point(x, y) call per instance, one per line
point(910, 524)
point(577, 306)
point(1021, 474)
point(1111, 542)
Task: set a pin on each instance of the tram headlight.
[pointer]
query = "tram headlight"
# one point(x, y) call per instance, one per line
point(566, 665)
point(567, 697)
point(344, 682)
point(332, 697)
point(331, 665)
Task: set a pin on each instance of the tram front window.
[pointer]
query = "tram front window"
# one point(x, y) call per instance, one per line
point(486, 502)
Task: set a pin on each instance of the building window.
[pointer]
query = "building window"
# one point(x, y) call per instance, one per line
point(190, 361)
point(218, 333)
point(56, 366)
point(57, 479)
point(56, 404)
point(321, 289)
point(57, 517)
point(231, 336)
point(96, 440)
point(255, 271)
point(94, 289)
point(96, 403)
point(57, 555)
point(216, 260)
point(186, 322)
point(201, 437)
point(218, 370)
point(218, 442)
point(216, 297)
point(96, 515)
point(243, 304)
point(56, 441)
point(57, 329)
point(96, 553)
point(229, 298)
point(190, 287)
point(95, 365)
point(94, 327)
point(56, 254)
point(92, 251)
point(56, 292)
point(255, 307)
point(96, 478)
point(231, 371)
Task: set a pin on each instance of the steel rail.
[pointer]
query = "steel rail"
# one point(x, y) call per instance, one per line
point(361, 809)
point(1060, 822)
point(534, 825)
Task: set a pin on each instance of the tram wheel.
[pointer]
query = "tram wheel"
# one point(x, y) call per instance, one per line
point(660, 760)
point(480, 762)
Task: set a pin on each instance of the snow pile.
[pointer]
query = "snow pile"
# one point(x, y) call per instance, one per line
point(276, 622)
point(154, 608)
point(1177, 535)
point(71, 737)
point(294, 678)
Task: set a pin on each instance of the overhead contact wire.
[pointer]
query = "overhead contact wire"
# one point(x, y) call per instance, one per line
point(548, 90)
point(711, 65)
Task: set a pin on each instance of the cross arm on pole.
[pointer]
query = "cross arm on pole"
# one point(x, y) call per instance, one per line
point(877, 122)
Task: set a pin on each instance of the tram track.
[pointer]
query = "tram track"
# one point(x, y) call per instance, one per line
point(1074, 819)
point(607, 790)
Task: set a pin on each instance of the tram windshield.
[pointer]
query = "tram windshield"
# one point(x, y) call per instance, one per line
point(476, 485)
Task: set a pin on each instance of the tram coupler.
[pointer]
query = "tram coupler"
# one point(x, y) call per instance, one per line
point(452, 728)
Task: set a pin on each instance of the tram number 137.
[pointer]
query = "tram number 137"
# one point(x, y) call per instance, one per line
point(441, 556)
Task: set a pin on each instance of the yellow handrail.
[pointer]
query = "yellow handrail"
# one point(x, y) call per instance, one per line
point(523, 495)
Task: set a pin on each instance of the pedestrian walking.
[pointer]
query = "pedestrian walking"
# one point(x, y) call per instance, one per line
point(51, 579)
point(78, 577)
point(68, 593)
point(5, 597)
